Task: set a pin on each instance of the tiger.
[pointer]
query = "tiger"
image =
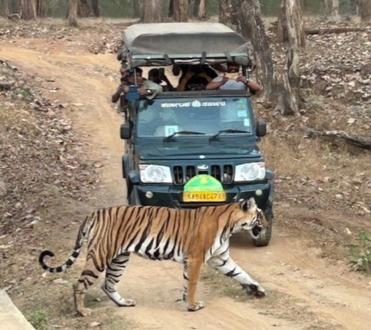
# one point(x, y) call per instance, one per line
point(188, 236)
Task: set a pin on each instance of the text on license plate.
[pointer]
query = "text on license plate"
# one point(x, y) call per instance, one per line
point(206, 196)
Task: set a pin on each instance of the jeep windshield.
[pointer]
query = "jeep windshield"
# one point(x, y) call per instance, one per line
point(203, 116)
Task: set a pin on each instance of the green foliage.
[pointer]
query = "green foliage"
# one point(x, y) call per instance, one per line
point(212, 8)
point(116, 8)
point(56, 8)
point(270, 7)
point(362, 253)
point(27, 94)
point(39, 320)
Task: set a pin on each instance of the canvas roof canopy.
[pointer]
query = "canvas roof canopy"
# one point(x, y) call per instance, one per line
point(192, 43)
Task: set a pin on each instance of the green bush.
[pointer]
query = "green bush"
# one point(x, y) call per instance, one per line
point(362, 253)
point(39, 320)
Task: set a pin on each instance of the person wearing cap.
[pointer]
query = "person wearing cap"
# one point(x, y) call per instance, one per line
point(233, 80)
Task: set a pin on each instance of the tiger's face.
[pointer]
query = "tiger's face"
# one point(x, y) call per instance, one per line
point(253, 219)
point(260, 224)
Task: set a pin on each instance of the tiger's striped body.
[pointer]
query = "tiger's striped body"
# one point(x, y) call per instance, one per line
point(189, 236)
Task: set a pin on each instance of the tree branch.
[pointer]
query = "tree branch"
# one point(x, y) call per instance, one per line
point(354, 140)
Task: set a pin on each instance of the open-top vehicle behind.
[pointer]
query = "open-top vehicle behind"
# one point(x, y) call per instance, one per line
point(192, 148)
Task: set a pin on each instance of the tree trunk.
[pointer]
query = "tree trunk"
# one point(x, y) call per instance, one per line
point(325, 6)
point(225, 13)
point(335, 8)
point(152, 11)
point(14, 7)
point(170, 12)
point(5, 8)
point(72, 12)
point(364, 9)
point(290, 29)
point(136, 8)
point(95, 7)
point(289, 97)
point(27, 9)
point(181, 10)
point(246, 16)
point(290, 23)
point(249, 23)
point(40, 10)
point(83, 8)
point(281, 33)
point(199, 8)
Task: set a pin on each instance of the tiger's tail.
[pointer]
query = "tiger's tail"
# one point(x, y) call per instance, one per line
point(83, 231)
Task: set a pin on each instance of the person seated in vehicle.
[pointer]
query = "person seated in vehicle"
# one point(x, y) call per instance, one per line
point(195, 77)
point(158, 76)
point(119, 94)
point(210, 70)
point(123, 70)
point(146, 87)
point(233, 80)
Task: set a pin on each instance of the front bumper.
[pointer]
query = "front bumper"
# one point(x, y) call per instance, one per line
point(171, 196)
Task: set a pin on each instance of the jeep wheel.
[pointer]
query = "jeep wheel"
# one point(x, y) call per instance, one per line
point(265, 235)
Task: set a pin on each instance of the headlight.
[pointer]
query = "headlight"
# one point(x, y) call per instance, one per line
point(155, 174)
point(250, 172)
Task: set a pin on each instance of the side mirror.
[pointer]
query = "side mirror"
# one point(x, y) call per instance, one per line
point(125, 131)
point(261, 128)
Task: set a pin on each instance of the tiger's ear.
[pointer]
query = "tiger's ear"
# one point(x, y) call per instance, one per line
point(251, 203)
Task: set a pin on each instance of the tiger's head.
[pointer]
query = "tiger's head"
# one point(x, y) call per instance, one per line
point(251, 218)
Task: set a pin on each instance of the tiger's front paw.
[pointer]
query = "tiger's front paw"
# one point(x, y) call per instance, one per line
point(117, 299)
point(255, 290)
point(84, 311)
point(126, 303)
point(196, 306)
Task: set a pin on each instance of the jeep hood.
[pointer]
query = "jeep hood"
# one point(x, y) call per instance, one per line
point(190, 151)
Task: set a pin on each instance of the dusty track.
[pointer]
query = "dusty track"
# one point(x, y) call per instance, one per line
point(304, 290)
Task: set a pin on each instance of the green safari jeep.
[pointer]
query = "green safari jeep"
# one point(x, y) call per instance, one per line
point(193, 148)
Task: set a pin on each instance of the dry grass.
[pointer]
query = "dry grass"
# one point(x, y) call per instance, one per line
point(300, 157)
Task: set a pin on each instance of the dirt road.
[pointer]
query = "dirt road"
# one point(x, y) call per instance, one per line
point(305, 291)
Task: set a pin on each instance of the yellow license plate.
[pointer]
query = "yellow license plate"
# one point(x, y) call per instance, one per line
point(204, 196)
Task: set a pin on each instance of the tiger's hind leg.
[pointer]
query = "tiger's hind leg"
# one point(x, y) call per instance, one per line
point(113, 275)
point(224, 264)
point(192, 270)
point(87, 278)
point(185, 281)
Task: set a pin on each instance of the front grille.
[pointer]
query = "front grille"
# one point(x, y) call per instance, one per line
point(223, 173)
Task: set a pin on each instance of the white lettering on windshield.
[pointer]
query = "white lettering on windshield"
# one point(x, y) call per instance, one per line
point(176, 105)
point(196, 104)
point(214, 104)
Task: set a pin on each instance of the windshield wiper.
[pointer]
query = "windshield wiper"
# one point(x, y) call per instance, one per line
point(169, 137)
point(225, 131)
